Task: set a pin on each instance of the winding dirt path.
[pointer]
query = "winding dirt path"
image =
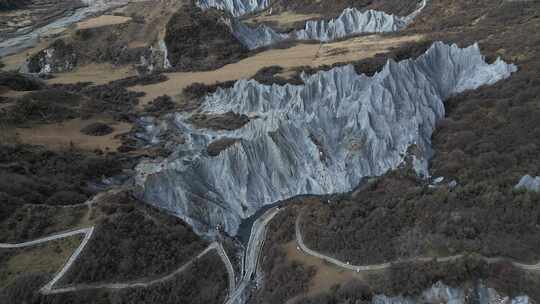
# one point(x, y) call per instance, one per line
point(88, 232)
point(358, 268)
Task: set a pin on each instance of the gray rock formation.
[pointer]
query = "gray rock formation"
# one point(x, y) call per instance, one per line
point(57, 58)
point(156, 58)
point(317, 138)
point(236, 8)
point(440, 293)
point(530, 183)
point(350, 22)
point(254, 38)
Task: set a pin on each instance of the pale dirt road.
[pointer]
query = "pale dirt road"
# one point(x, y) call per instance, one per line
point(383, 266)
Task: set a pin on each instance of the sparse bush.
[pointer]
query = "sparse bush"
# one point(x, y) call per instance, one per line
point(97, 129)
point(198, 40)
point(20, 82)
point(161, 104)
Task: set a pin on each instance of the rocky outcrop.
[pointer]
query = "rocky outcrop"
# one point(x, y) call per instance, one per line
point(236, 8)
point(257, 37)
point(155, 58)
point(57, 58)
point(440, 293)
point(365, 126)
point(530, 183)
point(6, 5)
point(350, 22)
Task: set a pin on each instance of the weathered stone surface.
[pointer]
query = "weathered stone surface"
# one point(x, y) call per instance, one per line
point(529, 183)
point(364, 125)
point(350, 22)
point(235, 7)
point(441, 293)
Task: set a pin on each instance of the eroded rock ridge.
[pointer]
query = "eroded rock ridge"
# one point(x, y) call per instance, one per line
point(318, 138)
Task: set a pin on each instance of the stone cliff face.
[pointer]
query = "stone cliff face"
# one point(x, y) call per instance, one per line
point(236, 8)
point(530, 183)
point(440, 293)
point(58, 57)
point(257, 37)
point(350, 22)
point(317, 138)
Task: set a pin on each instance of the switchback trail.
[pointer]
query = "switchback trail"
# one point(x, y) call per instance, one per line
point(302, 246)
point(88, 232)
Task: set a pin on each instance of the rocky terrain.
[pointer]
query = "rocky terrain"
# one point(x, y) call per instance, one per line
point(350, 22)
point(328, 153)
point(273, 151)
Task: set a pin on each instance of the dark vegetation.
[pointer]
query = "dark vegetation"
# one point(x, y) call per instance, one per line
point(268, 76)
point(283, 279)
point(215, 147)
point(109, 44)
point(97, 129)
point(133, 241)
point(22, 290)
point(20, 82)
point(227, 121)
point(30, 222)
point(145, 79)
point(33, 175)
point(413, 278)
point(161, 104)
point(204, 281)
point(396, 218)
point(63, 102)
point(198, 90)
point(112, 98)
point(198, 40)
point(354, 291)
point(44, 106)
point(59, 56)
point(6, 5)
point(487, 142)
point(372, 65)
point(332, 9)
point(477, 146)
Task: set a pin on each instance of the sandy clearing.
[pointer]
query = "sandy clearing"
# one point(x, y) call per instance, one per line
point(283, 19)
point(14, 94)
point(327, 274)
point(15, 61)
point(102, 20)
point(59, 136)
point(98, 73)
point(313, 55)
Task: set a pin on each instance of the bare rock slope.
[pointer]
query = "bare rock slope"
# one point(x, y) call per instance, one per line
point(317, 138)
